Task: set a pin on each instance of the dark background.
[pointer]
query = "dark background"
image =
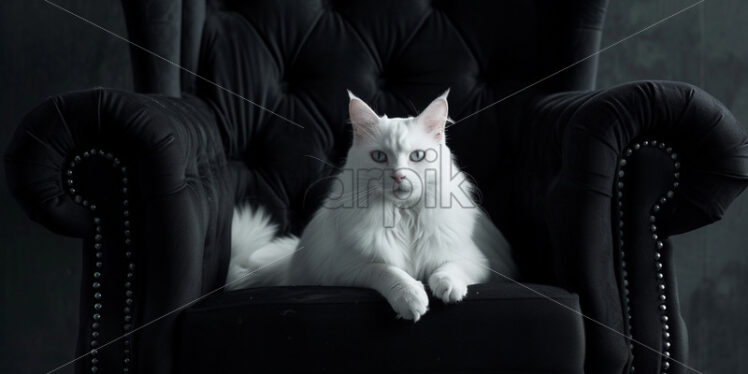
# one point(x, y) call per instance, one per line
point(44, 51)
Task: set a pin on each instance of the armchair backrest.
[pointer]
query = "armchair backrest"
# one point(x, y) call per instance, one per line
point(276, 73)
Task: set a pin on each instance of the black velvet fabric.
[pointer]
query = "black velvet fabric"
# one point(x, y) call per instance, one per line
point(573, 148)
point(181, 211)
point(155, 59)
point(295, 59)
point(499, 328)
point(264, 89)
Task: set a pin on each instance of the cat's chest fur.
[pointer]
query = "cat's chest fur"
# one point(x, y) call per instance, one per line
point(410, 242)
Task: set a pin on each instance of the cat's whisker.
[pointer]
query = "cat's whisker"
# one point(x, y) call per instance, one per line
point(359, 195)
point(370, 234)
point(355, 196)
point(322, 161)
point(364, 196)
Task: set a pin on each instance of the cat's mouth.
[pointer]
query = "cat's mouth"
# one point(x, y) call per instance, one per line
point(403, 193)
point(401, 189)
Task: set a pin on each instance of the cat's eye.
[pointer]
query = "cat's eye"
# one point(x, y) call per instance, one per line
point(417, 155)
point(378, 156)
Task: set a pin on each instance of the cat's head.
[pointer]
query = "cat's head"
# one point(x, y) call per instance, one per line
point(398, 158)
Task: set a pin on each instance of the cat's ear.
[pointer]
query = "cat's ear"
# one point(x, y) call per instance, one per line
point(435, 116)
point(363, 117)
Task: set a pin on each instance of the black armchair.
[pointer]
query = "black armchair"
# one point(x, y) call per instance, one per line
point(586, 185)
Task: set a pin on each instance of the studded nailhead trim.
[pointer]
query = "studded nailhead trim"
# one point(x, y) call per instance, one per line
point(661, 288)
point(98, 277)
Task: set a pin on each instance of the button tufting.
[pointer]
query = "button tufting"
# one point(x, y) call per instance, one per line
point(381, 82)
point(284, 86)
point(98, 263)
point(437, 4)
point(659, 245)
point(327, 5)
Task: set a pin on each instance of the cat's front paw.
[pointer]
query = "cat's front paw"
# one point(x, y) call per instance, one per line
point(410, 300)
point(448, 288)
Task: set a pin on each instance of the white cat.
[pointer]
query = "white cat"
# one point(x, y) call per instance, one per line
point(399, 214)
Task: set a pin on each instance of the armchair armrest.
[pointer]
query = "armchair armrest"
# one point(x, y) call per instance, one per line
point(638, 163)
point(144, 180)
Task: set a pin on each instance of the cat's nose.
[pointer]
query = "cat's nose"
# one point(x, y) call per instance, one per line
point(398, 177)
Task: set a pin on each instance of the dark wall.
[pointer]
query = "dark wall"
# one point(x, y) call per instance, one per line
point(44, 51)
point(706, 46)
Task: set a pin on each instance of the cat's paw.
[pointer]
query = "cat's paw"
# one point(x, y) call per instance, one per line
point(410, 300)
point(448, 288)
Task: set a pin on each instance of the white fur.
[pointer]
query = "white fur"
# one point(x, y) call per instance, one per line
point(257, 256)
point(375, 232)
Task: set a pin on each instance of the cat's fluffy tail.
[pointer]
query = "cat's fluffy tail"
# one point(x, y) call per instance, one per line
point(258, 256)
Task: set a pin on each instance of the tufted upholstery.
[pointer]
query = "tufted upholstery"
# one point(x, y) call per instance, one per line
point(258, 115)
point(575, 167)
point(297, 58)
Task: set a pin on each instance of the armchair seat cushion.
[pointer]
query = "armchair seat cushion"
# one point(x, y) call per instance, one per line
point(499, 327)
